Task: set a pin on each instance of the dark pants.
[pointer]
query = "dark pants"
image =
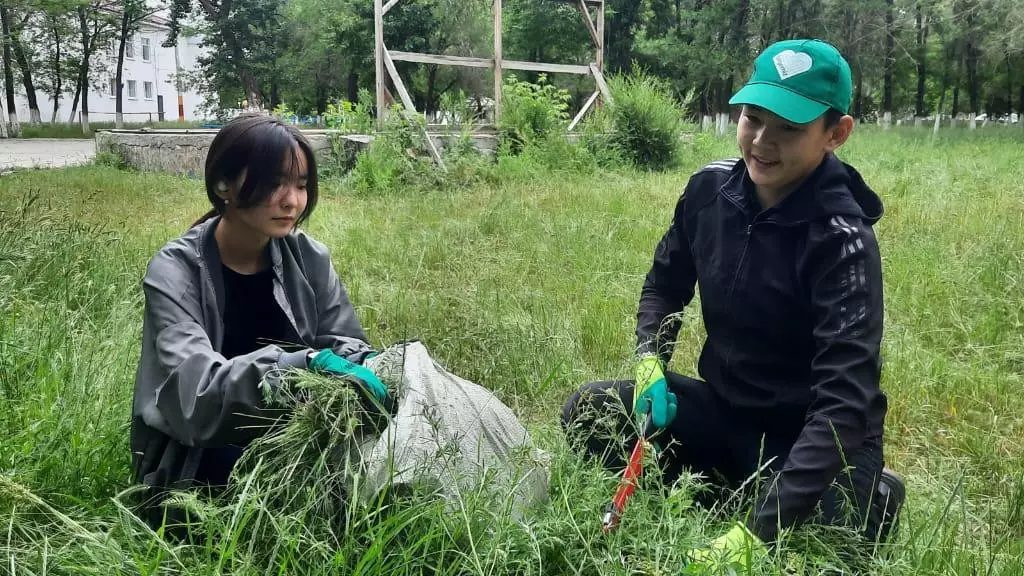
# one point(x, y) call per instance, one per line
point(726, 445)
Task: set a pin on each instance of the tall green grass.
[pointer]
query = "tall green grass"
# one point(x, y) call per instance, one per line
point(526, 282)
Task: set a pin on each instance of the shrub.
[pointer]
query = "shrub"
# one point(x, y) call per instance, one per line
point(531, 112)
point(647, 121)
point(112, 159)
point(397, 160)
point(349, 117)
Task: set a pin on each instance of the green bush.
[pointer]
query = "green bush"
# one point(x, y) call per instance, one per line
point(396, 161)
point(349, 117)
point(531, 112)
point(596, 135)
point(646, 119)
point(114, 159)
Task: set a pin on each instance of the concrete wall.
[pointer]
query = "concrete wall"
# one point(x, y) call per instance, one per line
point(183, 152)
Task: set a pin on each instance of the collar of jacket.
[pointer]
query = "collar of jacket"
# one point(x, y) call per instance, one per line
point(833, 189)
point(209, 252)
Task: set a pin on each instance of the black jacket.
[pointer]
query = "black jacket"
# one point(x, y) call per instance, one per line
point(792, 304)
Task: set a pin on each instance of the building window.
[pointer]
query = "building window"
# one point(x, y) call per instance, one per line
point(113, 87)
point(147, 90)
point(129, 48)
point(146, 54)
point(131, 89)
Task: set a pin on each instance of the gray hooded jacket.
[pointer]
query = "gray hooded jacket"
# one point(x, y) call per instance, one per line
point(187, 395)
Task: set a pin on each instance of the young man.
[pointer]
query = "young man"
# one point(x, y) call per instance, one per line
point(781, 245)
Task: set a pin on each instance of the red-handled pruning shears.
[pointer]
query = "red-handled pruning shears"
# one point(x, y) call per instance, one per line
point(634, 470)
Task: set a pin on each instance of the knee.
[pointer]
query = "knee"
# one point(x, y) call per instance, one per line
point(586, 403)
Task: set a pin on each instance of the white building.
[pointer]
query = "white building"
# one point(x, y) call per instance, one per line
point(150, 92)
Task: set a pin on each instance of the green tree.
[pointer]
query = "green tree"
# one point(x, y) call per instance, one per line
point(96, 24)
point(242, 39)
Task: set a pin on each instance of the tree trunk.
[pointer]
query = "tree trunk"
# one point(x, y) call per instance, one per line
point(250, 84)
point(57, 76)
point(858, 98)
point(83, 71)
point(353, 86)
point(26, 78)
point(430, 105)
point(922, 55)
point(321, 99)
point(957, 80)
point(74, 101)
point(971, 56)
point(890, 60)
point(12, 112)
point(1009, 86)
point(119, 74)
point(275, 97)
point(723, 105)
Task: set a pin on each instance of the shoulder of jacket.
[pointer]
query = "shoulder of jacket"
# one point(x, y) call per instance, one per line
point(725, 166)
point(704, 183)
point(853, 234)
point(176, 263)
point(310, 256)
point(306, 245)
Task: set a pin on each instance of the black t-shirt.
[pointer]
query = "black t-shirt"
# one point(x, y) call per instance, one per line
point(252, 320)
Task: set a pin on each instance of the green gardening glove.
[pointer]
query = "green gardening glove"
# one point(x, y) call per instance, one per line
point(651, 393)
point(329, 362)
point(735, 550)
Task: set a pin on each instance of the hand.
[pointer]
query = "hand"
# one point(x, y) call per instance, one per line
point(651, 394)
point(327, 361)
point(734, 549)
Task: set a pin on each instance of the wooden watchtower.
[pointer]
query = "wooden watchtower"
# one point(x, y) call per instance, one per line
point(593, 15)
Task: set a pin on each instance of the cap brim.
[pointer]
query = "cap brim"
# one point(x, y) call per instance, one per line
point(780, 101)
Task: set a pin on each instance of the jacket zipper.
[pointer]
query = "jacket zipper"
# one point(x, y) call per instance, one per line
point(732, 287)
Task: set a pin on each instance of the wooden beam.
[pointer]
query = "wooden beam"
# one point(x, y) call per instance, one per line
point(545, 67)
point(472, 62)
point(410, 108)
point(378, 59)
point(590, 22)
point(497, 61)
point(389, 6)
point(601, 85)
point(440, 59)
point(599, 54)
point(583, 111)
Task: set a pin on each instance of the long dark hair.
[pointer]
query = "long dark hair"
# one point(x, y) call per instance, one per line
point(264, 148)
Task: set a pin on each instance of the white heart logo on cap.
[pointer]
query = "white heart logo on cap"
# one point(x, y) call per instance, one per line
point(790, 63)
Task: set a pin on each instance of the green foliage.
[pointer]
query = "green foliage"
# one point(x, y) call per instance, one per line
point(532, 111)
point(111, 159)
point(396, 161)
point(283, 112)
point(646, 121)
point(391, 164)
point(350, 118)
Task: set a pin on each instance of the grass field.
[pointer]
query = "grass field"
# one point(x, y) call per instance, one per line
point(530, 288)
point(74, 130)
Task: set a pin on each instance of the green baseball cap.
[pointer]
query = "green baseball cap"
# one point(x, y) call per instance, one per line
point(798, 80)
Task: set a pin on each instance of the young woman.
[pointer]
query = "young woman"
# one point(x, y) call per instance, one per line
point(232, 306)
